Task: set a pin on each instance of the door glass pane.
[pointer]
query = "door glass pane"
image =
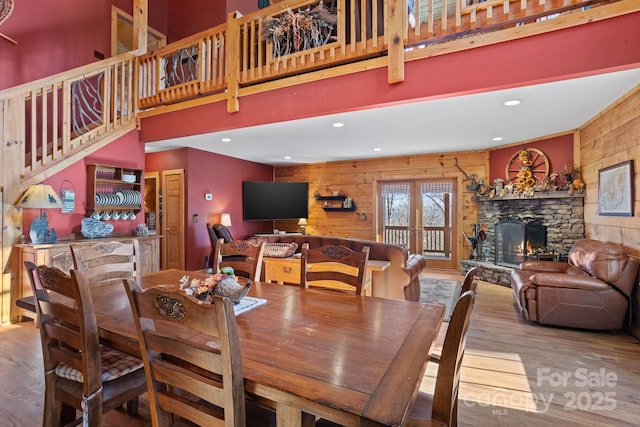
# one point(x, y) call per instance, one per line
point(436, 218)
point(396, 212)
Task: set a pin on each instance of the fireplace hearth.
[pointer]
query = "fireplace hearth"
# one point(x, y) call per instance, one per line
point(515, 242)
point(561, 214)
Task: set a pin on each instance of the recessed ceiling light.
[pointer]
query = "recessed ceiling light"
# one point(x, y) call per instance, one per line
point(226, 140)
point(287, 157)
point(498, 138)
point(338, 124)
point(377, 149)
point(512, 102)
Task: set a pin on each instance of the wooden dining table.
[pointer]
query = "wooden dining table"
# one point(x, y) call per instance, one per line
point(355, 360)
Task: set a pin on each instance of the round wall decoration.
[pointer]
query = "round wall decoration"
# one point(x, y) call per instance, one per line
point(528, 165)
point(6, 7)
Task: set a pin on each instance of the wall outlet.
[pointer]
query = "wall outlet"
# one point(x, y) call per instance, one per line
point(362, 216)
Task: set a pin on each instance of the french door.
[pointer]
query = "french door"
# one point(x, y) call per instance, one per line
point(419, 214)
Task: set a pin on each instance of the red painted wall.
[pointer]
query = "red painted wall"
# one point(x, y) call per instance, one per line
point(56, 36)
point(193, 17)
point(559, 151)
point(580, 51)
point(200, 15)
point(125, 152)
point(221, 176)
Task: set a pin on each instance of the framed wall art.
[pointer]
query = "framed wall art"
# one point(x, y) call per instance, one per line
point(615, 190)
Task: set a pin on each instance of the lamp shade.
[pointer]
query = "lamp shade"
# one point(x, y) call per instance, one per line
point(302, 221)
point(225, 219)
point(40, 196)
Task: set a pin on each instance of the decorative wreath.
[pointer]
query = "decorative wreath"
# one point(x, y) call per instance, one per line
point(6, 7)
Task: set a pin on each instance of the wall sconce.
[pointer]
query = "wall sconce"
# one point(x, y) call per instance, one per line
point(41, 196)
point(225, 219)
point(302, 222)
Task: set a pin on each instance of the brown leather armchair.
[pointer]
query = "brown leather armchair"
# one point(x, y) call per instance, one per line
point(591, 291)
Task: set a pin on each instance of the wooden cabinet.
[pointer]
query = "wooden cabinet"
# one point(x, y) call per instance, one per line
point(287, 270)
point(113, 189)
point(59, 255)
point(281, 270)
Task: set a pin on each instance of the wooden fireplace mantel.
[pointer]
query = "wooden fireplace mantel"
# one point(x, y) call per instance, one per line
point(536, 195)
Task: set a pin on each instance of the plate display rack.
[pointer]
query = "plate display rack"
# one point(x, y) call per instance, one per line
point(113, 189)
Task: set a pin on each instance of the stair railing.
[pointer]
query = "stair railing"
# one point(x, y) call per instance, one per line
point(62, 114)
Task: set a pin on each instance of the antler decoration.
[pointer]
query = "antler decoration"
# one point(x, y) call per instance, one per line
point(460, 169)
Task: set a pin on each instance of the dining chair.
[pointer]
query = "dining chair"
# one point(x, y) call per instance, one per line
point(441, 408)
point(243, 256)
point(470, 283)
point(107, 262)
point(326, 265)
point(80, 373)
point(215, 232)
point(191, 353)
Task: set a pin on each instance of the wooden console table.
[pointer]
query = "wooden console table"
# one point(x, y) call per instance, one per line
point(59, 255)
point(287, 270)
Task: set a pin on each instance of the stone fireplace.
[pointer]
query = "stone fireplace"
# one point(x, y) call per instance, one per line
point(560, 215)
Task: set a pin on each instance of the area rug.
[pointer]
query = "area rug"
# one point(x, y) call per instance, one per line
point(444, 291)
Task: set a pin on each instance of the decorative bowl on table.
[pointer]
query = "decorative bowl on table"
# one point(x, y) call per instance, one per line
point(94, 228)
point(220, 284)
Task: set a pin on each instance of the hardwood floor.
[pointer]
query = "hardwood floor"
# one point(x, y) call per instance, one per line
point(519, 373)
point(512, 373)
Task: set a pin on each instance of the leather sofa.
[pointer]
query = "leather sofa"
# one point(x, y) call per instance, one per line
point(591, 291)
point(399, 281)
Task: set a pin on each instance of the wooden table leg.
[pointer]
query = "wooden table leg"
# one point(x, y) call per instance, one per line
point(288, 416)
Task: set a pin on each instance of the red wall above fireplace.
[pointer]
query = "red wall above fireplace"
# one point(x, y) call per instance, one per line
point(559, 151)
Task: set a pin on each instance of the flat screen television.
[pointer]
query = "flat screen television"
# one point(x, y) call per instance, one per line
point(268, 200)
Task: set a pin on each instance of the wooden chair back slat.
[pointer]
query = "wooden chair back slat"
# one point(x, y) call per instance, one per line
point(107, 262)
point(470, 282)
point(442, 407)
point(243, 256)
point(445, 398)
point(334, 264)
point(189, 349)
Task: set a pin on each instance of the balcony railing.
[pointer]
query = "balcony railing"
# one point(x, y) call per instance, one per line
point(436, 241)
point(264, 46)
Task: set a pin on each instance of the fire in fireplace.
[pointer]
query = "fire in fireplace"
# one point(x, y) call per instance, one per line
point(515, 242)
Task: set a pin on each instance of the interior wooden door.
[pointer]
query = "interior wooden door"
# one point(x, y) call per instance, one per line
point(122, 34)
point(173, 219)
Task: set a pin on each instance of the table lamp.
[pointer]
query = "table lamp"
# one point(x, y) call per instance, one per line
point(41, 196)
point(225, 219)
point(302, 222)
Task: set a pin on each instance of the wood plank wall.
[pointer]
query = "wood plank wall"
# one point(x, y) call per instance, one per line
point(358, 180)
point(613, 136)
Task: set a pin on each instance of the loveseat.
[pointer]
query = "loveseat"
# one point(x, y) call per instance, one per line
point(591, 291)
point(399, 281)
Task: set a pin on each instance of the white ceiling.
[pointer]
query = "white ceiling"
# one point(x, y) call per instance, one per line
point(439, 126)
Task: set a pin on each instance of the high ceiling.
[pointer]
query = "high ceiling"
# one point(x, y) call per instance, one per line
point(456, 124)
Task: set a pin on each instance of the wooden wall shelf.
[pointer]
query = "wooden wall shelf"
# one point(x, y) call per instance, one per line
point(340, 208)
point(330, 197)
